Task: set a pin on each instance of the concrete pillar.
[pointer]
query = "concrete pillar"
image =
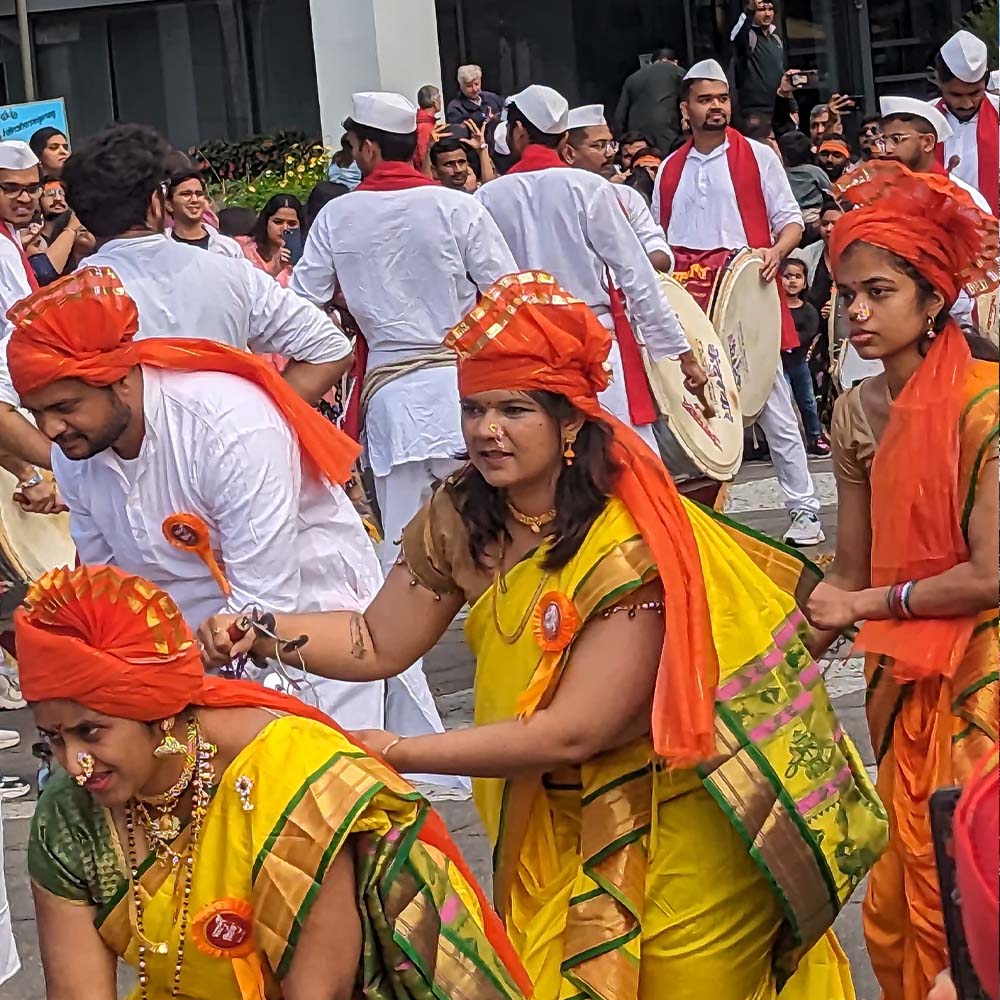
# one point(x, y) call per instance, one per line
point(371, 45)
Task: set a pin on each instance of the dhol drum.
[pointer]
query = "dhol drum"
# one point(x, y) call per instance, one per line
point(714, 446)
point(988, 310)
point(30, 544)
point(746, 313)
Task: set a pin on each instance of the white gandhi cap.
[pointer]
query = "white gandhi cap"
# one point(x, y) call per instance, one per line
point(16, 155)
point(707, 69)
point(500, 139)
point(388, 112)
point(994, 86)
point(589, 116)
point(966, 56)
point(544, 107)
point(890, 106)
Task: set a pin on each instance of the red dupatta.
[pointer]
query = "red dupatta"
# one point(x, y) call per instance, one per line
point(988, 146)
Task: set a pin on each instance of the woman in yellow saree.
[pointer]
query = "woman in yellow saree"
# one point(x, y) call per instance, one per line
point(915, 454)
point(674, 811)
point(228, 842)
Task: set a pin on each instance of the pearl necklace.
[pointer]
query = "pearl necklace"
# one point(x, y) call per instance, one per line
point(202, 780)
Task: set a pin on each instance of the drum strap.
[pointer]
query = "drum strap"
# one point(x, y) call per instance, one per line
point(380, 376)
point(641, 405)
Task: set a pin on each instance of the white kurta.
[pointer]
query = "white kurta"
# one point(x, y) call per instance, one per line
point(640, 218)
point(570, 223)
point(705, 213)
point(183, 291)
point(963, 143)
point(225, 246)
point(410, 264)
point(13, 287)
point(216, 446)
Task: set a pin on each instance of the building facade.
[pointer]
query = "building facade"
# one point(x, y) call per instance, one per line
point(205, 69)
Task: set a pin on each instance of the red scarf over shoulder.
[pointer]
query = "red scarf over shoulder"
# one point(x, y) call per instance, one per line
point(988, 143)
point(641, 406)
point(745, 172)
point(29, 272)
point(389, 175)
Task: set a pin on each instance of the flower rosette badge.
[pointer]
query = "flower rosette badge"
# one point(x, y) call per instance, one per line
point(555, 624)
point(224, 930)
point(189, 533)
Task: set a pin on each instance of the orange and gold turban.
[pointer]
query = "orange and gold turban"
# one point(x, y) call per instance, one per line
point(83, 326)
point(528, 334)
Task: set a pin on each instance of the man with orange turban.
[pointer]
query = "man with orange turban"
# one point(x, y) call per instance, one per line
point(199, 468)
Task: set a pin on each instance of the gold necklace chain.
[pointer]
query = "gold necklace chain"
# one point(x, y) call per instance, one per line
point(201, 783)
point(519, 631)
point(534, 523)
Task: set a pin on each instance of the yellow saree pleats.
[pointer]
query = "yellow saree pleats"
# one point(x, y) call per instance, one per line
point(619, 877)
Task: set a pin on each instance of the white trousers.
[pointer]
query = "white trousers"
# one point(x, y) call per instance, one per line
point(788, 450)
point(9, 963)
point(400, 495)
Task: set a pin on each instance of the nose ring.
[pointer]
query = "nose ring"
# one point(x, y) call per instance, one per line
point(86, 763)
point(864, 313)
point(497, 431)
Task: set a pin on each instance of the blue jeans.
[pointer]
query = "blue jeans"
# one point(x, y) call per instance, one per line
point(800, 379)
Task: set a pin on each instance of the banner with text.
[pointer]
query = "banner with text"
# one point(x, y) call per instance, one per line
point(22, 121)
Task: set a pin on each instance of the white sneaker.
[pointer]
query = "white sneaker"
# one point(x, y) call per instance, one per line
point(9, 739)
point(804, 530)
point(10, 694)
point(13, 788)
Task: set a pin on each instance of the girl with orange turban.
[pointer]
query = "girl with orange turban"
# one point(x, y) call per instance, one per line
point(227, 841)
point(645, 709)
point(915, 455)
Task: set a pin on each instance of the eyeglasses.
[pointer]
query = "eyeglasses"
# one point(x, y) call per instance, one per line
point(16, 190)
point(870, 130)
point(610, 147)
point(54, 191)
point(896, 138)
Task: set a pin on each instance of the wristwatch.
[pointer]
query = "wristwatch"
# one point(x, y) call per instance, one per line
point(36, 479)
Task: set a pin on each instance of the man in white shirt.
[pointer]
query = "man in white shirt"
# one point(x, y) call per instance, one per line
point(963, 75)
point(703, 206)
point(22, 448)
point(570, 223)
point(411, 259)
point(591, 146)
point(199, 469)
point(187, 200)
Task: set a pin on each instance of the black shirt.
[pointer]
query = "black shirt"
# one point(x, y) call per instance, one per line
point(759, 66)
point(807, 324)
point(203, 242)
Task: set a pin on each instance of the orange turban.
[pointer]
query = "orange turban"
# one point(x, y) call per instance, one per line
point(924, 218)
point(82, 326)
point(528, 334)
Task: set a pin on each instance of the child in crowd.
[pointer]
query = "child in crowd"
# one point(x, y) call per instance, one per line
point(795, 361)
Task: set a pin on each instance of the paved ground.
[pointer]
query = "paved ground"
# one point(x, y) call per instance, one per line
point(755, 500)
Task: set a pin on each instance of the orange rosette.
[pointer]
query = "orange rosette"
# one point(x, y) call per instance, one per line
point(189, 532)
point(224, 930)
point(555, 624)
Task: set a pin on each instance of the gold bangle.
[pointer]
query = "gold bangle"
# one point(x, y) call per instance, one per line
point(390, 746)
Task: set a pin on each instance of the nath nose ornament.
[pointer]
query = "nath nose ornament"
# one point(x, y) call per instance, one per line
point(497, 431)
point(864, 313)
point(86, 762)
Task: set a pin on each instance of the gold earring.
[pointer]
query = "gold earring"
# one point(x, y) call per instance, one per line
point(170, 745)
point(568, 454)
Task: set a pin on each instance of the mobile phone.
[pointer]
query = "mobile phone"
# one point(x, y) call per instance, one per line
point(293, 241)
point(805, 78)
point(942, 807)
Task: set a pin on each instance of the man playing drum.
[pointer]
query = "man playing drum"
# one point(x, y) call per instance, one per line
point(569, 224)
point(697, 203)
point(410, 258)
point(198, 467)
